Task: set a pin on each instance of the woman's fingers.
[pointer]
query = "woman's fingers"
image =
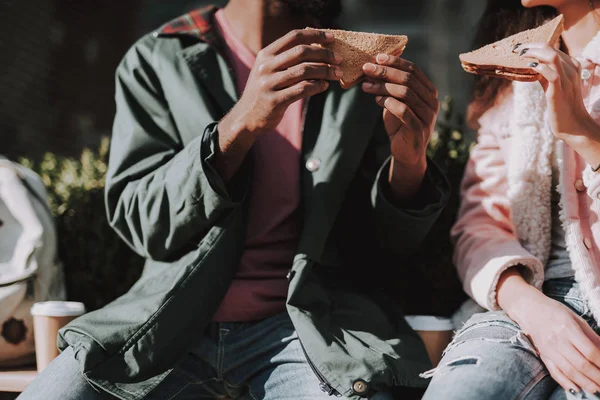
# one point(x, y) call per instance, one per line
point(550, 75)
point(587, 343)
point(586, 368)
point(561, 378)
point(569, 363)
point(544, 54)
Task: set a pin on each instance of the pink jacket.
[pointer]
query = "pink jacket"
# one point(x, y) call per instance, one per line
point(505, 215)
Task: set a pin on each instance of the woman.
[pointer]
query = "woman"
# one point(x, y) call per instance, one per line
point(527, 241)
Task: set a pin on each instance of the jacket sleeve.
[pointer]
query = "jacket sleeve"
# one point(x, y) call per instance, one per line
point(161, 197)
point(403, 229)
point(485, 244)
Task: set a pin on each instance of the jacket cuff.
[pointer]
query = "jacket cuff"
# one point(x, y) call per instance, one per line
point(429, 201)
point(235, 191)
point(411, 223)
point(483, 286)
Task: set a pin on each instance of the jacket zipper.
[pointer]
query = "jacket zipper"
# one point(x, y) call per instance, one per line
point(324, 385)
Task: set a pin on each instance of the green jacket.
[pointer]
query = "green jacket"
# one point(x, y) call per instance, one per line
point(166, 201)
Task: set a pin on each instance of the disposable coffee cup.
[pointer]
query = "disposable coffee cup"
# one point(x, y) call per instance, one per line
point(48, 318)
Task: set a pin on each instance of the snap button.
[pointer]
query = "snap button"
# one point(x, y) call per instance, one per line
point(588, 243)
point(155, 34)
point(360, 387)
point(585, 74)
point(579, 186)
point(313, 164)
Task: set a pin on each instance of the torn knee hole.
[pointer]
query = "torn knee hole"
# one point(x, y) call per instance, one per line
point(464, 361)
point(449, 366)
point(521, 339)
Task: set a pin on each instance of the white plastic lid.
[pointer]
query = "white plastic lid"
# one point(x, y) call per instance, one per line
point(58, 309)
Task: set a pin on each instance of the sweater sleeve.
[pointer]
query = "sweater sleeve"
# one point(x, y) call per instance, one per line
point(484, 238)
point(161, 196)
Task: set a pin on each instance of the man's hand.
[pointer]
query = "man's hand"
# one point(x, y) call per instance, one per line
point(410, 105)
point(410, 109)
point(287, 70)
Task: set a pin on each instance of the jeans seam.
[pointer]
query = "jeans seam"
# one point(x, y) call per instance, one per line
point(534, 382)
point(252, 394)
point(221, 353)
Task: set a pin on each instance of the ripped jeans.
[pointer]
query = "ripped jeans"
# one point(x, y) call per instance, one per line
point(491, 358)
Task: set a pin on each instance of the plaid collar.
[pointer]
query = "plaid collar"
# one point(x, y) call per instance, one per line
point(198, 23)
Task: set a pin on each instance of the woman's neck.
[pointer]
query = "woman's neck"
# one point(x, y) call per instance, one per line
point(581, 25)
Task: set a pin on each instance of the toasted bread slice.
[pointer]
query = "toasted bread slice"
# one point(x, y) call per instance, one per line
point(358, 48)
point(502, 58)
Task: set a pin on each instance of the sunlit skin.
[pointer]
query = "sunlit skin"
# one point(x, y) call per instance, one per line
point(569, 348)
point(407, 98)
point(288, 68)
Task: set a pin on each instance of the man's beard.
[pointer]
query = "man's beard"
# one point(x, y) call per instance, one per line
point(322, 11)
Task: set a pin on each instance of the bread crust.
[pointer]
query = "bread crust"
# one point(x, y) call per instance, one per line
point(501, 59)
point(358, 48)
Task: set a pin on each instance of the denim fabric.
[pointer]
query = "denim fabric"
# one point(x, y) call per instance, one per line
point(262, 360)
point(62, 380)
point(491, 358)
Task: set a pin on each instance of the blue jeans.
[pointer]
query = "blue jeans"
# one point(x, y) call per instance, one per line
point(491, 358)
point(262, 360)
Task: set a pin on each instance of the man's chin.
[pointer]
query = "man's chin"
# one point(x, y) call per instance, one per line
point(324, 11)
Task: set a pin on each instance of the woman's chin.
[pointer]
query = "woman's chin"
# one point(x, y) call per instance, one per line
point(533, 3)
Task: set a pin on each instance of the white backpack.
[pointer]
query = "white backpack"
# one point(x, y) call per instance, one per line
point(29, 270)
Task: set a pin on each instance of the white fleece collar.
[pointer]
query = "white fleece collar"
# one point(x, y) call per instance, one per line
point(592, 50)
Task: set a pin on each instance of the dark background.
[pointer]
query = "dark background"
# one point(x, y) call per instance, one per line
point(57, 59)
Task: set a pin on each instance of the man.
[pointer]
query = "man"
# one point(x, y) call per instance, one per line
point(271, 215)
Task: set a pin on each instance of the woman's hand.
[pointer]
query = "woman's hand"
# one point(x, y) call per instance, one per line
point(567, 345)
point(569, 348)
point(567, 115)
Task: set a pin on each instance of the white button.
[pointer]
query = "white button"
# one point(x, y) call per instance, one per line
point(585, 74)
point(359, 386)
point(579, 186)
point(155, 34)
point(588, 243)
point(313, 164)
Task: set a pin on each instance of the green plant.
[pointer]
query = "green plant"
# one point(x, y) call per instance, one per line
point(448, 146)
point(99, 266)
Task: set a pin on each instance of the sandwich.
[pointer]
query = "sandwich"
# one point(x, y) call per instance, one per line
point(358, 48)
point(501, 59)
